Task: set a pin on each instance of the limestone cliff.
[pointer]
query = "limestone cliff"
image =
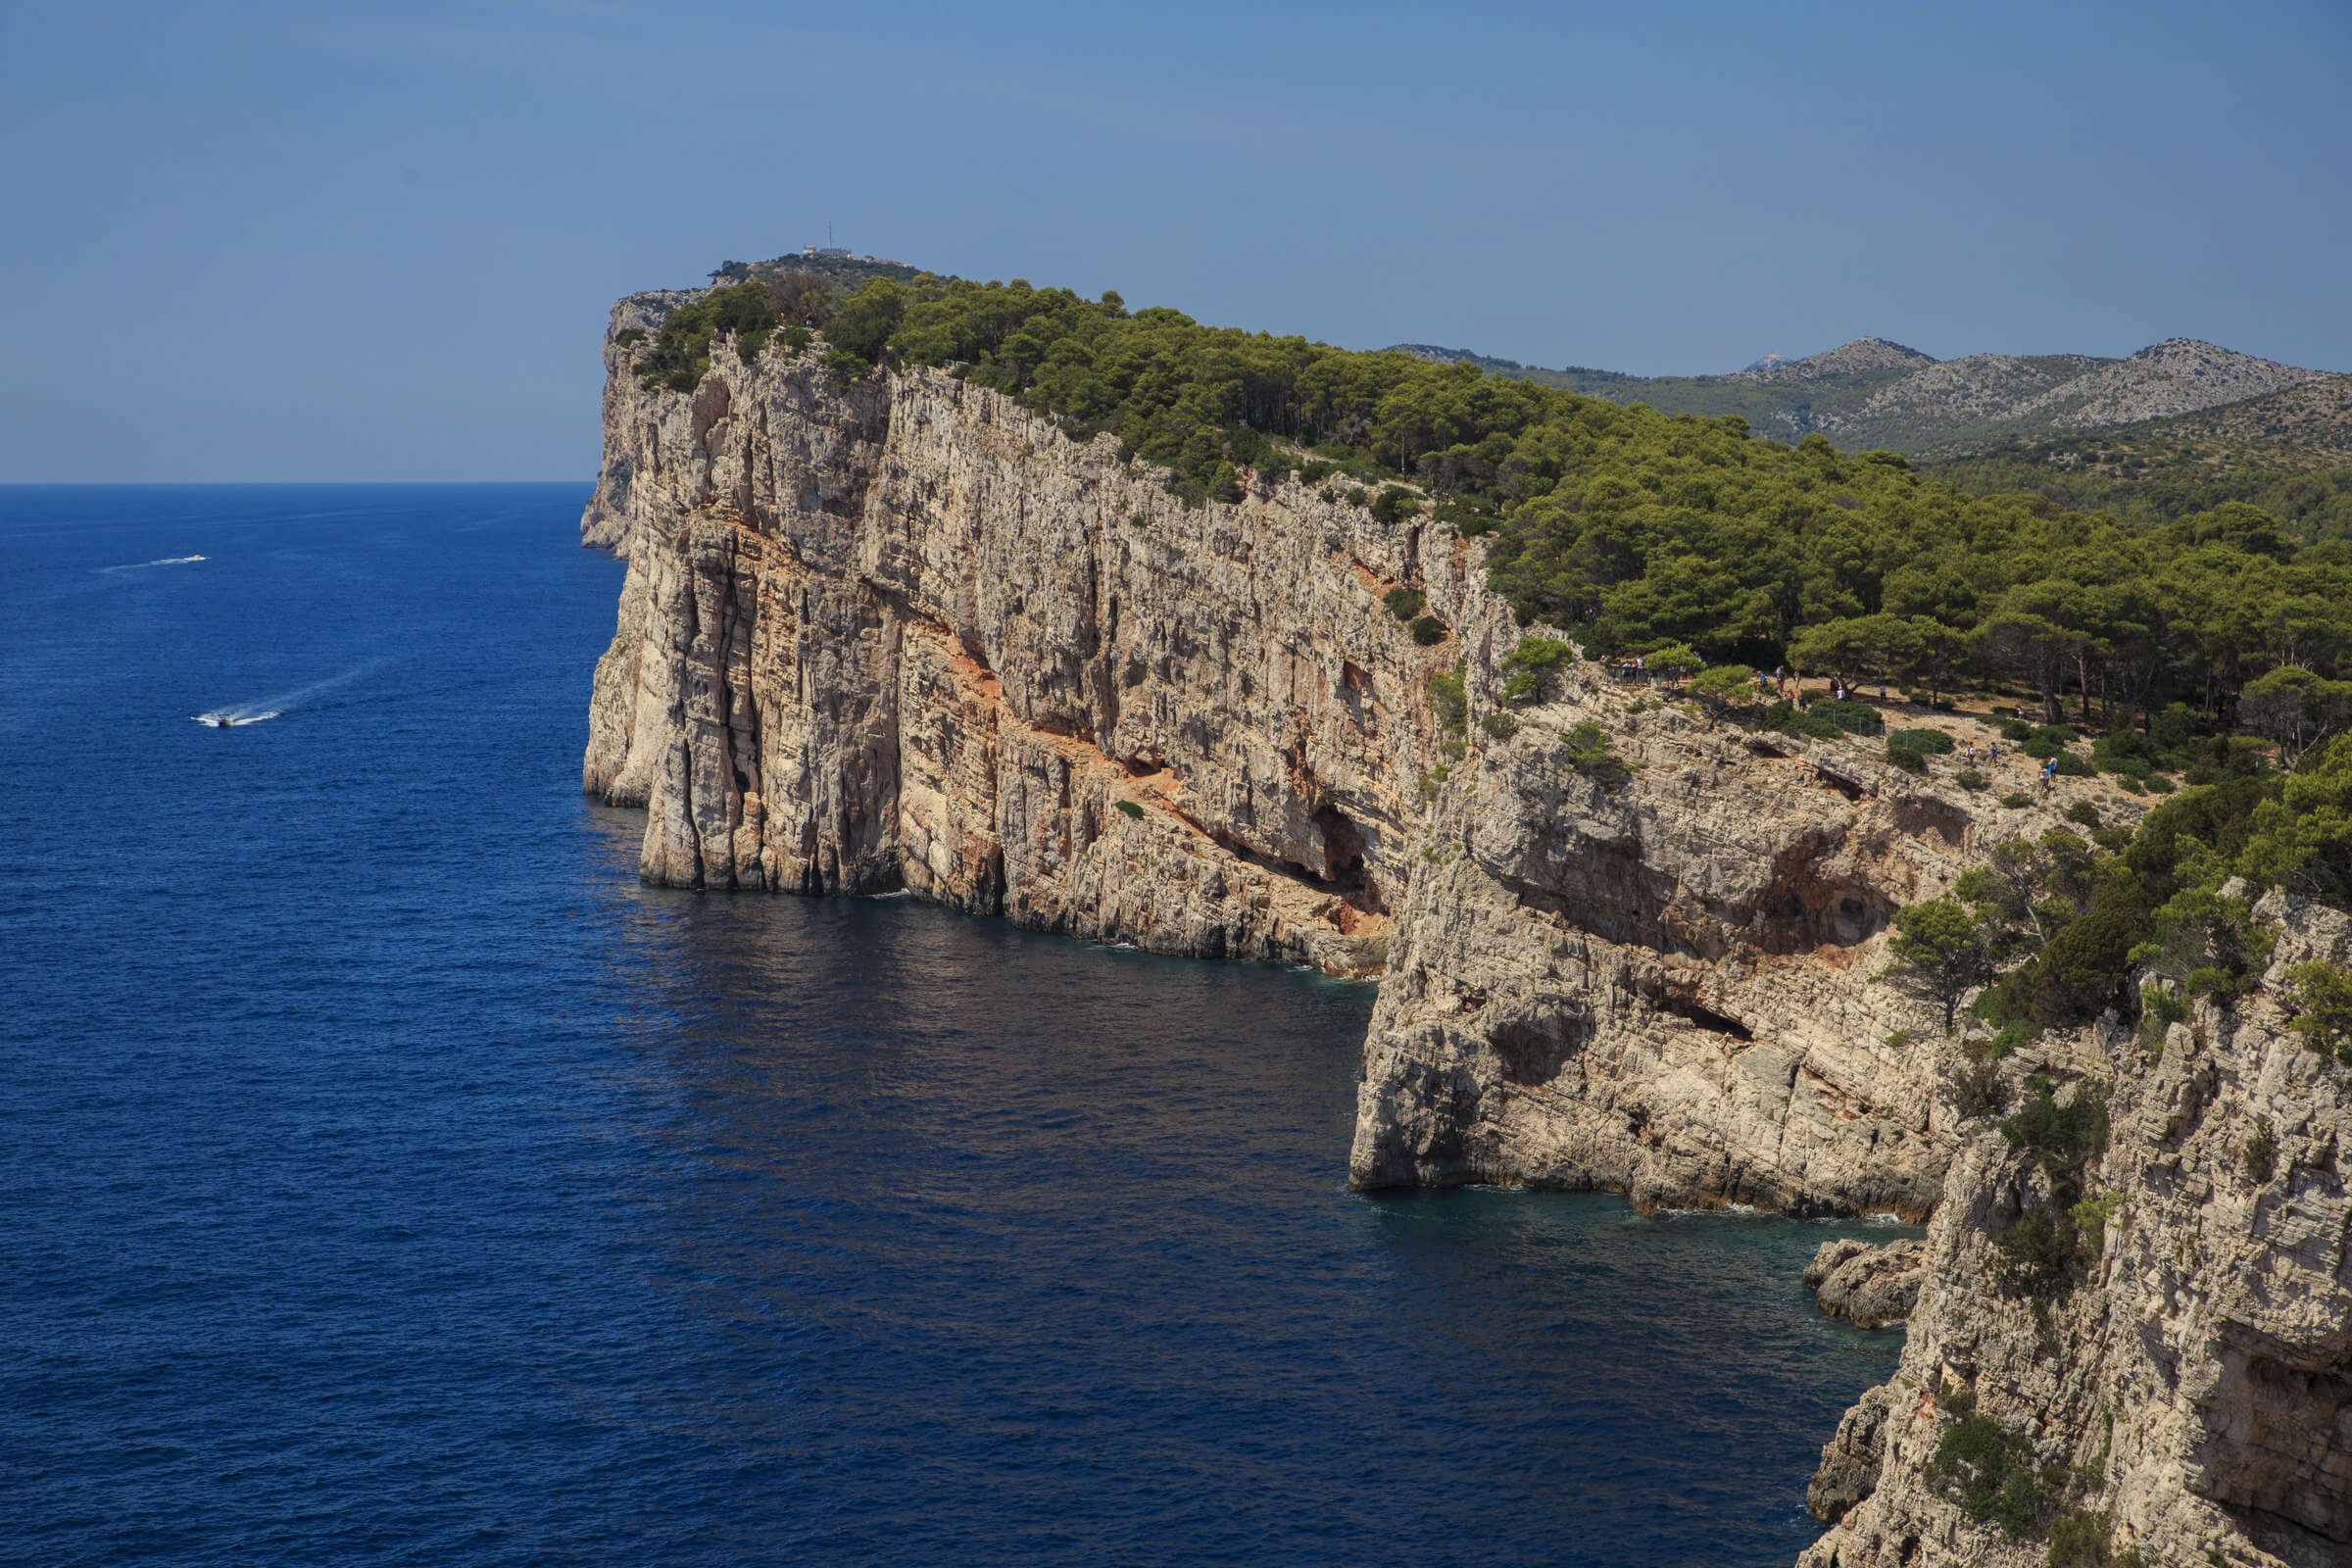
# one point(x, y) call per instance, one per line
point(899, 631)
point(2193, 1394)
point(896, 631)
point(1661, 985)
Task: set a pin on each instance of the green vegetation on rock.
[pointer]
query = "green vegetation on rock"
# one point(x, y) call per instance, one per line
point(1639, 531)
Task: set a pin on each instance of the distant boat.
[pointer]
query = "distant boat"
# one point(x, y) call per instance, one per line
point(221, 723)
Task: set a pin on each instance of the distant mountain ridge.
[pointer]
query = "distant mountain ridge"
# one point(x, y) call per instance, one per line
point(1876, 393)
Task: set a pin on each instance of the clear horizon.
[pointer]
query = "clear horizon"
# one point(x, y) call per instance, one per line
point(268, 246)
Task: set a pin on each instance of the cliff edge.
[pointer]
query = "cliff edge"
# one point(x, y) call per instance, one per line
point(888, 630)
point(891, 630)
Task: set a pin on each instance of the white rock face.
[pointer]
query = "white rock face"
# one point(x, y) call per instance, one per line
point(2198, 1383)
point(901, 632)
point(1664, 987)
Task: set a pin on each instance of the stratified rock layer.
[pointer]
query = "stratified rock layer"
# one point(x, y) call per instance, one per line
point(1662, 984)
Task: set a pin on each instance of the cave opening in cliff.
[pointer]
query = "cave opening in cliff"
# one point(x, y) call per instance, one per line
point(1345, 869)
point(1705, 1017)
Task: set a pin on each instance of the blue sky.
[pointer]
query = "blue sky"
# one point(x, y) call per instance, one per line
point(261, 242)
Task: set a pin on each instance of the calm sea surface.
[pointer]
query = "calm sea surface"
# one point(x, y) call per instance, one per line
point(390, 1179)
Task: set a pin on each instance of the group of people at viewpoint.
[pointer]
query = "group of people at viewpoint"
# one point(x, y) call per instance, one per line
point(2048, 773)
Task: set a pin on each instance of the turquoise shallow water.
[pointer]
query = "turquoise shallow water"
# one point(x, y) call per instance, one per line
point(391, 1179)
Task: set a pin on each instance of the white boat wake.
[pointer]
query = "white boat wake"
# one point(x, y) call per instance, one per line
point(168, 561)
point(278, 706)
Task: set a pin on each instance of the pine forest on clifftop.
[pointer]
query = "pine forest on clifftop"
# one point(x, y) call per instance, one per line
point(1635, 530)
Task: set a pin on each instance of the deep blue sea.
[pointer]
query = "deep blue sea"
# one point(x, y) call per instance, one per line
point(390, 1179)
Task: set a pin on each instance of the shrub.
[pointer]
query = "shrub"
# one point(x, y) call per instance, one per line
point(1429, 631)
point(1904, 757)
point(1533, 658)
point(2319, 995)
point(2082, 1539)
point(1403, 603)
point(1725, 683)
point(1928, 742)
point(846, 364)
point(2091, 1217)
point(1499, 726)
point(1674, 660)
point(1472, 517)
point(2158, 784)
point(2036, 1257)
point(1977, 1091)
point(2083, 812)
point(1789, 719)
point(1395, 503)
point(1855, 718)
point(628, 337)
point(1588, 751)
point(2262, 1153)
point(2108, 756)
point(2071, 766)
point(2012, 1039)
point(1970, 779)
point(1358, 495)
point(1315, 472)
point(1129, 808)
point(2017, 800)
point(1449, 699)
point(2062, 1138)
point(1987, 1470)
point(796, 337)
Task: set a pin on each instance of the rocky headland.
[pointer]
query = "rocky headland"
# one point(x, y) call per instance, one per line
point(891, 630)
